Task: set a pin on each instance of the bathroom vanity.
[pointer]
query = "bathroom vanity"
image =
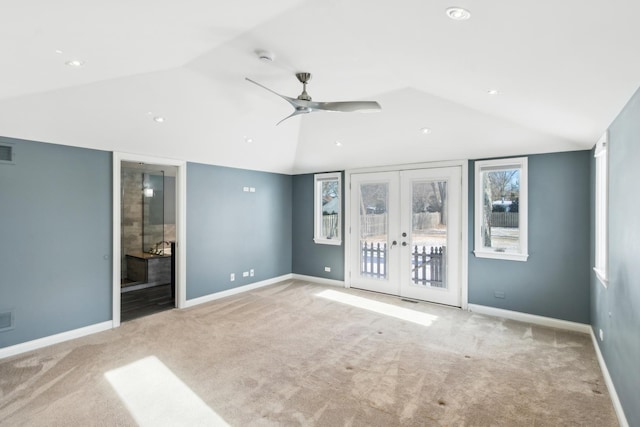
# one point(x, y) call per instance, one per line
point(149, 268)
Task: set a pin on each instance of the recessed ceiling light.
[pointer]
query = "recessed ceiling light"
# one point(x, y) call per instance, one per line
point(458, 13)
point(493, 92)
point(158, 119)
point(58, 51)
point(338, 144)
point(426, 131)
point(248, 140)
point(75, 63)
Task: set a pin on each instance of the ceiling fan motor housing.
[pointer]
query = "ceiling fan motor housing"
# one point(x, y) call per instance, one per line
point(304, 78)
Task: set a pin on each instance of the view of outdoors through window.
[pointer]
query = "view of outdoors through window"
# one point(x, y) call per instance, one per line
point(500, 213)
point(330, 208)
point(374, 226)
point(429, 233)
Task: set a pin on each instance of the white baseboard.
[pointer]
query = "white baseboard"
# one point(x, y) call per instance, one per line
point(234, 291)
point(617, 406)
point(54, 339)
point(320, 280)
point(530, 318)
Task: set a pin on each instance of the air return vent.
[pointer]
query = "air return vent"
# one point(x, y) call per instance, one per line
point(6, 153)
point(6, 320)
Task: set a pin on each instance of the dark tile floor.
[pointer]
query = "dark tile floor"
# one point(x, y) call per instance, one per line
point(143, 302)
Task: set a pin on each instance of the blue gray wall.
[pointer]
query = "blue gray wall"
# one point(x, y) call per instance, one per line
point(55, 252)
point(232, 231)
point(616, 310)
point(554, 281)
point(310, 258)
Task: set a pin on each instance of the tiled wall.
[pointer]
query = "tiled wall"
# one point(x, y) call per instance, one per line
point(131, 225)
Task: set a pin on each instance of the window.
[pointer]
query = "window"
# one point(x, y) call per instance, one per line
point(601, 210)
point(327, 208)
point(501, 209)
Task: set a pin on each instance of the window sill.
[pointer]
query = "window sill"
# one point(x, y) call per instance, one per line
point(507, 256)
point(328, 242)
point(602, 277)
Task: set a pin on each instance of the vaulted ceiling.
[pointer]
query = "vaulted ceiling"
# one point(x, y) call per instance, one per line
point(562, 69)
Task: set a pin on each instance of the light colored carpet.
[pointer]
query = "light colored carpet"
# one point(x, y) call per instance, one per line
point(302, 354)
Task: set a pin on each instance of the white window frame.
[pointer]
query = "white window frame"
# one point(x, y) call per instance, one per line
point(601, 210)
point(318, 179)
point(500, 164)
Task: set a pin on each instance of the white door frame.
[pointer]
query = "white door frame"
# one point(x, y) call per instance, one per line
point(464, 218)
point(181, 229)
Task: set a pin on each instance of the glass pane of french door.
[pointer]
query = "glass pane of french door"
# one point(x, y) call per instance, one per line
point(374, 229)
point(428, 239)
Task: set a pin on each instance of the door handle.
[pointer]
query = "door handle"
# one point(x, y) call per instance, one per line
point(394, 243)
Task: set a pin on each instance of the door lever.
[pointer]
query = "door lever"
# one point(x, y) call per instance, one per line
point(393, 244)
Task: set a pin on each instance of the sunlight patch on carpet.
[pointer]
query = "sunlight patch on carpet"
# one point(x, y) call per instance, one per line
point(401, 313)
point(156, 397)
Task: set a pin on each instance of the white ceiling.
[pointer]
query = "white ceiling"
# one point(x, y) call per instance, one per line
point(564, 70)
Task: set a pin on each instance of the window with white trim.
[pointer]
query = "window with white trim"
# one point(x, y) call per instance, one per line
point(601, 210)
point(327, 208)
point(501, 207)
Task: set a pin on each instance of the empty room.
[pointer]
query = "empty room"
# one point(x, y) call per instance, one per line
point(319, 213)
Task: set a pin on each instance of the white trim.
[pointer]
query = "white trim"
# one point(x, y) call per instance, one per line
point(347, 229)
point(181, 229)
point(601, 277)
point(530, 318)
point(500, 255)
point(601, 210)
point(319, 280)
point(317, 208)
point(617, 406)
point(234, 291)
point(480, 250)
point(54, 339)
point(464, 245)
point(410, 166)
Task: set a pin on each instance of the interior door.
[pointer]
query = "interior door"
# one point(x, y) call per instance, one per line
point(405, 233)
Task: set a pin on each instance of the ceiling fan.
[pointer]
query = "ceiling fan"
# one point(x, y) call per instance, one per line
point(303, 103)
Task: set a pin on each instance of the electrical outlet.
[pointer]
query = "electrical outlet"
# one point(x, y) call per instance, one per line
point(327, 269)
point(252, 273)
point(252, 189)
point(232, 277)
point(601, 335)
point(245, 189)
point(498, 294)
point(245, 274)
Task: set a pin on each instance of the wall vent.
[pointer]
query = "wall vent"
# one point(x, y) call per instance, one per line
point(6, 320)
point(6, 153)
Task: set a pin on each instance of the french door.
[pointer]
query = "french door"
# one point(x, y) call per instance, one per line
point(405, 233)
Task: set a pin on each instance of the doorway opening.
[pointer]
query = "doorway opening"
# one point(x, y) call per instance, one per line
point(148, 236)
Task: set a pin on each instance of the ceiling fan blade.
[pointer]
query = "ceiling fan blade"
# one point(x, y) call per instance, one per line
point(291, 101)
point(349, 106)
point(296, 112)
point(304, 106)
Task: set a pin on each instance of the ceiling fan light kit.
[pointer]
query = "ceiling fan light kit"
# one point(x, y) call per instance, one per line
point(303, 104)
